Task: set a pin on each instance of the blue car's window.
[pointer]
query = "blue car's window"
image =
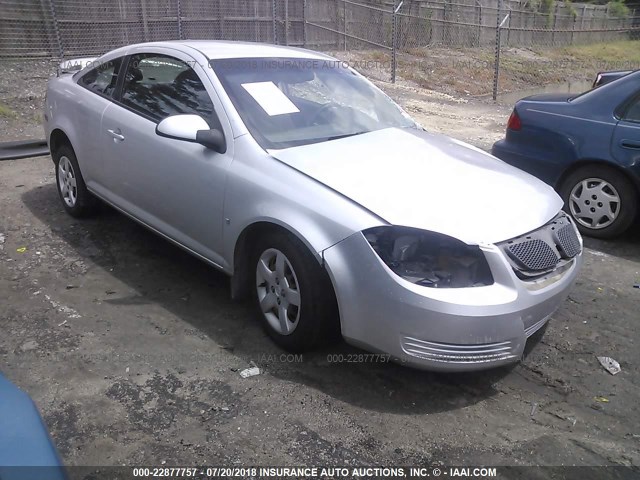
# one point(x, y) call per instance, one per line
point(102, 79)
point(633, 113)
point(159, 86)
point(287, 102)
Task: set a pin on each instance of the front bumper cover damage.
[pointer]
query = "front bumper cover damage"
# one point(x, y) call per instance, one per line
point(445, 329)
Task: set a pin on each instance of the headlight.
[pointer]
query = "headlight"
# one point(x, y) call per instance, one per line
point(430, 259)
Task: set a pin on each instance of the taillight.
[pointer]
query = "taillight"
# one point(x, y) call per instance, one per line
point(514, 122)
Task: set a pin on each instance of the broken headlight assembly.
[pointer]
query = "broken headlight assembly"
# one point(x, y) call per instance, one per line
point(430, 259)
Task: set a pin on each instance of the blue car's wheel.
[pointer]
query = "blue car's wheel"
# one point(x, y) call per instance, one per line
point(602, 201)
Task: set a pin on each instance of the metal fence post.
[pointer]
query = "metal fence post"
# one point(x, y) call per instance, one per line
point(444, 23)
point(179, 17)
point(56, 29)
point(304, 23)
point(496, 72)
point(555, 23)
point(344, 20)
point(145, 23)
point(394, 41)
point(509, 26)
point(275, 27)
point(479, 10)
point(221, 21)
point(286, 22)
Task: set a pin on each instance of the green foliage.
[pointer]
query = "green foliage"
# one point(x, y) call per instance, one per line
point(541, 6)
point(6, 112)
point(546, 6)
point(572, 10)
point(617, 8)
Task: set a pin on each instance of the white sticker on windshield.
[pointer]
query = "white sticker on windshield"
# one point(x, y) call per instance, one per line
point(270, 98)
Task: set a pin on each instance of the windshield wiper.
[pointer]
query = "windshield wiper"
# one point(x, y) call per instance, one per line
point(344, 135)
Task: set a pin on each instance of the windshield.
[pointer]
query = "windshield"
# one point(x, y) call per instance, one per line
point(286, 102)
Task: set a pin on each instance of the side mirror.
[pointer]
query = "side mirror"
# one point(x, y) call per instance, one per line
point(192, 128)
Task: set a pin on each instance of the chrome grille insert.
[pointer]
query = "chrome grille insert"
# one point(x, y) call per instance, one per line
point(450, 353)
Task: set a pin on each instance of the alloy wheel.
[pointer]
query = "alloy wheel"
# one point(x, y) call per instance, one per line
point(278, 291)
point(67, 181)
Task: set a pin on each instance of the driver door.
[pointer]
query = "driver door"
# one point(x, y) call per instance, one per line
point(175, 187)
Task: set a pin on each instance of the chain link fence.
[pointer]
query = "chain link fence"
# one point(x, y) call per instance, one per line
point(377, 36)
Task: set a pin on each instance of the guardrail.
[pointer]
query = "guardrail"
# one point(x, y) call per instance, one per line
point(23, 149)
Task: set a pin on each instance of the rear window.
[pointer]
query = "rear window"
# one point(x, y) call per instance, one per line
point(103, 78)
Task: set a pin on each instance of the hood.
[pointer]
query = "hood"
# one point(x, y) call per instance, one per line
point(423, 180)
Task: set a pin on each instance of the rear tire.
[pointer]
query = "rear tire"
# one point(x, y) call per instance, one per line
point(602, 201)
point(293, 295)
point(76, 199)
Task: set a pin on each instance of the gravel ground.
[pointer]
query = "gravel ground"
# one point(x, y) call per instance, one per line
point(132, 349)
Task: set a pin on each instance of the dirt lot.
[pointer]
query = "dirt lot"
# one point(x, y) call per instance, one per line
point(132, 349)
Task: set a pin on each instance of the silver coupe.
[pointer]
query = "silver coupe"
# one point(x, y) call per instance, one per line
point(320, 197)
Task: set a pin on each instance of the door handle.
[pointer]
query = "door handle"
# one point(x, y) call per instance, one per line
point(630, 144)
point(116, 134)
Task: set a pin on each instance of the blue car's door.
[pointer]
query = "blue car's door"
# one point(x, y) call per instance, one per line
point(625, 143)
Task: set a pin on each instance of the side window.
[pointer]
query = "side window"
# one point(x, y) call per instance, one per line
point(633, 113)
point(103, 78)
point(159, 86)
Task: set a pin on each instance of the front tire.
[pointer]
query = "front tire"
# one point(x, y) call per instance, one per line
point(76, 199)
point(293, 294)
point(602, 201)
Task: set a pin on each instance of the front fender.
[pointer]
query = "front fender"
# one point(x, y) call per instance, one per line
point(263, 189)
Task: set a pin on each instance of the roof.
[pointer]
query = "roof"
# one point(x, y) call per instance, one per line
point(218, 49)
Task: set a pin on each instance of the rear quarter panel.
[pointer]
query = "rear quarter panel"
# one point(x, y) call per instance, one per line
point(77, 112)
point(557, 135)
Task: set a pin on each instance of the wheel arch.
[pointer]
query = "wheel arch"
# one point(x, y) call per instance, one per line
point(242, 270)
point(600, 163)
point(241, 277)
point(57, 138)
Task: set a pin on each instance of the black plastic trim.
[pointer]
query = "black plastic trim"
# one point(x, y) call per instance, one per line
point(23, 149)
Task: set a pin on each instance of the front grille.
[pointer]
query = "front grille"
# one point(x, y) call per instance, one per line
point(534, 254)
point(568, 241)
point(544, 250)
point(451, 353)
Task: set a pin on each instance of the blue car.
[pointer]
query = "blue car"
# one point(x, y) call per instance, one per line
point(587, 147)
point(26, 450)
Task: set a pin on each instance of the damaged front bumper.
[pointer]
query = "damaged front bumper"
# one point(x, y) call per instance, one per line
point(453, 329)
